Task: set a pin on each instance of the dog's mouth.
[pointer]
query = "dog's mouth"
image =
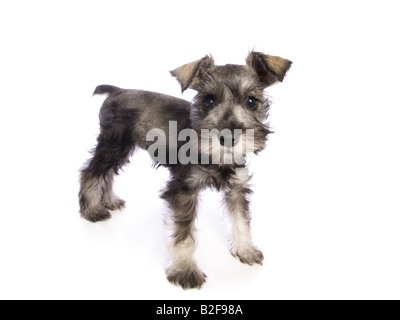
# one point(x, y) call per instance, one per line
point(226, 147)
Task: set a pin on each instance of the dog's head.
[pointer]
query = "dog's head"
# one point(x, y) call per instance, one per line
point(230, 104)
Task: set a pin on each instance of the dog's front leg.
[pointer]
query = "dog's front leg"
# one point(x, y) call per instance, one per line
point(236, 200)
point(183, 270)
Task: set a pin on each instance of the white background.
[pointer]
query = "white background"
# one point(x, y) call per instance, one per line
point(326, 190)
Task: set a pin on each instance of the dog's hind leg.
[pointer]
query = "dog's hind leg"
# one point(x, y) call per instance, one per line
point(115, 145)
point(96, 196)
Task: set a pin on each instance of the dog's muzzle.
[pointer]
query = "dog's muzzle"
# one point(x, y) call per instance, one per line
point(228, 138)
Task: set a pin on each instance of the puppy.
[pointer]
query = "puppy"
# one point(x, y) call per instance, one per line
point(203, 143)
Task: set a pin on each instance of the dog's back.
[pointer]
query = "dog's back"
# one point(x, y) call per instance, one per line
point(144, 110)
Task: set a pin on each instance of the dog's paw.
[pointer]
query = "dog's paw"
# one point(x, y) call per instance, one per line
point(249, 255)
point(190, 278)
point(96, 214)
point(115, 204)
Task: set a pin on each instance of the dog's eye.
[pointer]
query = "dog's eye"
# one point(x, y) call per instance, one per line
point(209, 102)
point(251, 102)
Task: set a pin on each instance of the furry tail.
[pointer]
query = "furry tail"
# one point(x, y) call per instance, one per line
point(106, 89)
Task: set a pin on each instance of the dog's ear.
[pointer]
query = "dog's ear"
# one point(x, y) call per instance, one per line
point(191, 74)
point(270, 69)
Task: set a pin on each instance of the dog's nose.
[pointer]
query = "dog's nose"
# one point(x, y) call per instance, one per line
point(223, 139)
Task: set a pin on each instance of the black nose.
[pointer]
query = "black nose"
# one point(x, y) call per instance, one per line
point(221, 140)
point(224, 142)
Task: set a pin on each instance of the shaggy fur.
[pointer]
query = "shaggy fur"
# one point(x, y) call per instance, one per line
point(229, 103)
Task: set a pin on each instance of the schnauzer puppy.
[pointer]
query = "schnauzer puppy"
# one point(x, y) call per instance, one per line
point(203, 143)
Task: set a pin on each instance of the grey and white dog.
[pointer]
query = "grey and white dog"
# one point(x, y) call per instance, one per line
point(225, 120)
